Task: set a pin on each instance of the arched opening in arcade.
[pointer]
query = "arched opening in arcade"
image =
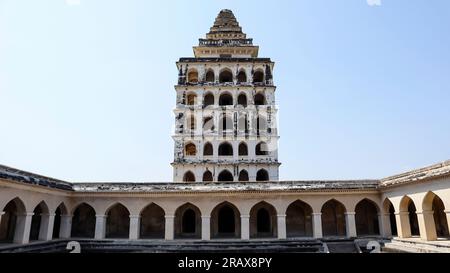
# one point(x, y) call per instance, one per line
point(117, 222)
point(333, 219)
point(188, 222)
point(407, 205)
point(39, 222)
point(225, 221)
point(83, 222)
point(299, 220)
point(12, 221)
point(59, 212)
point(225, 176)
point(152, 223)
point(366, 218)
point(263, 222)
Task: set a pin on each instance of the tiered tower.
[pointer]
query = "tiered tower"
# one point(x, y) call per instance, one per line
point(225, 118)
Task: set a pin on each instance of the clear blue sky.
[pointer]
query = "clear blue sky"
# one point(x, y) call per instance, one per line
point(86, 87)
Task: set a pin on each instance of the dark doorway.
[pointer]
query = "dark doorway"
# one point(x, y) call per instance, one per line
point(83, 222)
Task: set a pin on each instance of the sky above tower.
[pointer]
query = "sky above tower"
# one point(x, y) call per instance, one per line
point(86, 86)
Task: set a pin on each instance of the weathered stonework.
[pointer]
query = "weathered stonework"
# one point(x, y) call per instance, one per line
point(225, 98)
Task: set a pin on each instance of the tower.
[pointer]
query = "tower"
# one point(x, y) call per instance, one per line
point(225, 115)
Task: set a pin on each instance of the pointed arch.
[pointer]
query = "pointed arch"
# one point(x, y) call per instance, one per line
point(153, 222)
point(208, 149)
point(188, 177)
point(83, 221)
point(60, 211)
point(10, 227)
point(262, 175)
point(207, 176)
point(243, 150)
point(366, 218)
point(299, 220)
point(263, 222)
point(243, 176)
point(225, 221)
point(242, 76)
point(225, 76)
point(117, 221)
point(210, 77)
point(333, 218)
point(39, 221)
point(188, 222)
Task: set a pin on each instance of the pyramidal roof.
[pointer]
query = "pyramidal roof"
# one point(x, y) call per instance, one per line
point(225, 38)
point(225, 22)
point(225, 26)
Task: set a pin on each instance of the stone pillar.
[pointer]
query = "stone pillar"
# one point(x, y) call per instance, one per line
point(403, 227)
point(350, 224)
point(206, 223)
point(66, 226)
point(427, 226)
point(447, 214)
point(281, 228)
point(100, 226)
point(135, 224)
point(46, 228)
point(23, 227)
point(245, 227)
point(317, 225)
point(384, 222)
point(169, 231)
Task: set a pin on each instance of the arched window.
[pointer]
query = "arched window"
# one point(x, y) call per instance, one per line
point(262, 149)
point(262, 175)
point(258, 77)
point(225, 176)
point(242, 100)
point(225, 149)
point(241, 77)
point(207, 176)
point(208, 149)
point(193, 76)
point(260, 99)
point(208, 100)
point(225, 76)
point(243, 151)
point(225, 99)
point(190, 149)
point(243, 175)
point(189, 177)
point(191, 99)
point(209, 76)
